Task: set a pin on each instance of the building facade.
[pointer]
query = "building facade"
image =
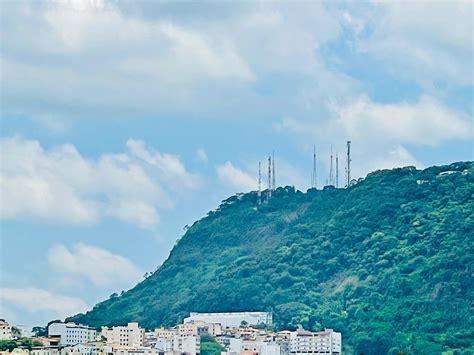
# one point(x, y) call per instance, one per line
point(231, 319)
point(5, 330)
point(130, 335)
point(303, 342)
point(71, 333)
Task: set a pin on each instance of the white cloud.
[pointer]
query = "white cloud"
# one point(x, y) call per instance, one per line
point(427, 43)
point(39, 300)
point(97, 265)
point(381, 132)
point(236, 178)
point(201, 156)
point(398, 156)
point(425, 122)
point(59, 185)
point(114, 60)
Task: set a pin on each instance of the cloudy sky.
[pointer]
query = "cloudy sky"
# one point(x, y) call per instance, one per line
point(122, 122)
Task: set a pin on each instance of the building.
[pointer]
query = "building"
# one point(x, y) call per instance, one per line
point(46, 350)
point(327, 342)
point(5, 330)
point(200, 328)
point(71, 333)
point(187, 344)
point(130, 336)
point(231, 319)
point(163, 333)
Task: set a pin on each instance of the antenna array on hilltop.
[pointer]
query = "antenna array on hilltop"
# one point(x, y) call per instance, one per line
point(271, 182)
point(333, 178)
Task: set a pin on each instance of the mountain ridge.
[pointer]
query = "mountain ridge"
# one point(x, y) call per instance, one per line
point(388, 261)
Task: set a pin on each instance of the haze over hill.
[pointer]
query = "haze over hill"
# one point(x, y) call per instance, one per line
point(388, 262)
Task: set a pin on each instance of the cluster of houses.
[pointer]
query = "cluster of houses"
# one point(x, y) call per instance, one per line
point(239, 333)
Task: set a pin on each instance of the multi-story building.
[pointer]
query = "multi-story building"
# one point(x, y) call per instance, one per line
point(231, 319)
point(327, 342)
point(163, 333)
point(200, 328)
point(71, 333)
point(5, 330)
point(131, 335)
point(189, 344)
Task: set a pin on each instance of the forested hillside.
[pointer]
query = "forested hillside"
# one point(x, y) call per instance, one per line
point(389, 262)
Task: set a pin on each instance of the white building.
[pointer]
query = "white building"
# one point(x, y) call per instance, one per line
point(170, 341)
point(46, 350)
point(231, 319)
point(303, 342)
point(5, 330)
point(131, 335)
point(71, 333)
point(187, 344)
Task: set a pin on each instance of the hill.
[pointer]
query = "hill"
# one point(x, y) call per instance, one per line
point(388, 262)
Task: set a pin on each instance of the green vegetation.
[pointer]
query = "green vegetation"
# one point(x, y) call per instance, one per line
point(388, 262)
point(209, 346)
point(23, 342)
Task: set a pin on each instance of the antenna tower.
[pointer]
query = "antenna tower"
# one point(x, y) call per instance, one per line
point(337, 170)
point(348, 169)
point(314, 180)
point(259, 182)
point(269, 177)
point(273, 170)
point(331, 171)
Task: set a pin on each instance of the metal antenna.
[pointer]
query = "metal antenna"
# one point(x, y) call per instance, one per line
point(348, 169)
point(331, 171)
point(269, 176)
point(314, 180)
point(337, 170)
point(273, 171)
point(259, 182)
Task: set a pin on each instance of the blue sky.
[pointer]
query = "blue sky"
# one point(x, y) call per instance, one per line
point(121, 122)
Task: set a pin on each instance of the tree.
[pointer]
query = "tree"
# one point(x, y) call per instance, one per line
point(16, 332)
point(39, 331)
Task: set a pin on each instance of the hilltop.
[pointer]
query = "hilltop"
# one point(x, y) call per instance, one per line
point(388, 262)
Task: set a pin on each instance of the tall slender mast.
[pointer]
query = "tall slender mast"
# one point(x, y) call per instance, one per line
point(273, 170)
point(331, 171)
point(337, 170)
point(314, 179)
point(348, 169)
point(259, 182)
point(269, 176)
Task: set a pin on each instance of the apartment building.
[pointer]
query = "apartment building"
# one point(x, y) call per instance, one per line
point(304, 342)
point(130, 335)
point(5, 330)
point(200, 328)
point(71, 333)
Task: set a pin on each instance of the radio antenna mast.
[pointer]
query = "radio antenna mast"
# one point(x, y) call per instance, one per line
point(273, 170)
point(331, 171)
point(337, 170)
point(348, 169)
point(269, 177)
point(259, 182)
point(314, 179)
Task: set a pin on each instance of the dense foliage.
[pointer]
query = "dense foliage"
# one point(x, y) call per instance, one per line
point(209, 346)
point(22, 342)
point(388, 262)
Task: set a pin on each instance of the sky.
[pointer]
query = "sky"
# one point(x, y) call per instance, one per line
point(122, 122)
